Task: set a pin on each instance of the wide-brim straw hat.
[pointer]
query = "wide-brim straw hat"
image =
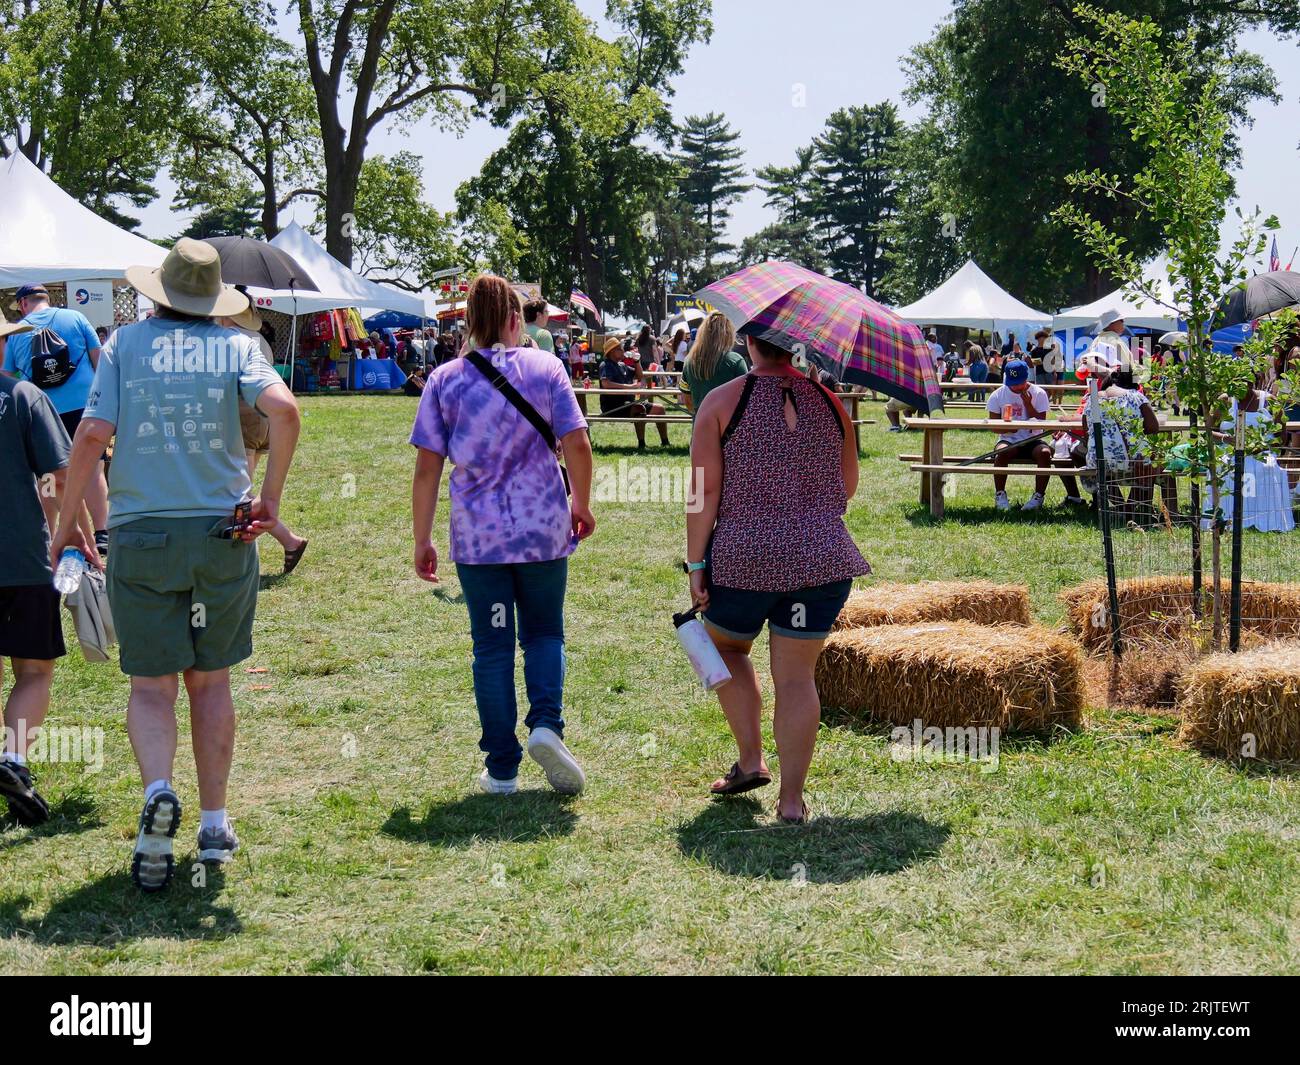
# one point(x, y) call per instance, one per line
point(612, 345)
point(189, 281)
point(248, 319)
point(8, 329)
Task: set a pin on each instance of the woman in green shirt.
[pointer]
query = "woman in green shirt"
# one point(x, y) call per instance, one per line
point(712, 362)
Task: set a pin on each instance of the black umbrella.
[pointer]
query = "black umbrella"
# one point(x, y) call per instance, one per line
point(1261, 296)
point(255, 263)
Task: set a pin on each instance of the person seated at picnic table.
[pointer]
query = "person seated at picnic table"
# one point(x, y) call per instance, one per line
point(617, 376)
point(1024, 402)
point(711, 361)
point(894, 409)
point(1126, 416)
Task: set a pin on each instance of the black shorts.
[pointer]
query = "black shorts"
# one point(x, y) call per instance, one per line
point(70, 422)
point(806, 614)
point(30, 623)
point(1024, 451)
point(623, 403)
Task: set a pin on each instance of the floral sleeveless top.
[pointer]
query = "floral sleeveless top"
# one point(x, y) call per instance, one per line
point(780, 523)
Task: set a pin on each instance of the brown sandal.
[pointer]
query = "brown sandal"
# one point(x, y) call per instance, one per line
point(738, 782)
point(292, 558)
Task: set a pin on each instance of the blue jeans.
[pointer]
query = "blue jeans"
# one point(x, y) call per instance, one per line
point(979, 373)
point(494, 593)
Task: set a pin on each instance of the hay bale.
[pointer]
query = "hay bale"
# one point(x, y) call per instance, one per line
point(954, 674)
point(1159, 609)
point(910, 604)
point(1245, 705)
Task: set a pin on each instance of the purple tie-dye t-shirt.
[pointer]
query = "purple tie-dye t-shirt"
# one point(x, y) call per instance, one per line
point(508, 502)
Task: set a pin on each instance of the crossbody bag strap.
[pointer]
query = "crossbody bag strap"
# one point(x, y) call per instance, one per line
point(512, 396)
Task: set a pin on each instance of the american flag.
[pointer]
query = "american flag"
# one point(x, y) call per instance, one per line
point(1274, 260)
point(581, 299)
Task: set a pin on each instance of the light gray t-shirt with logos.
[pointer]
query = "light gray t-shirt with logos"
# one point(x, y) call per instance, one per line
point(172, 389)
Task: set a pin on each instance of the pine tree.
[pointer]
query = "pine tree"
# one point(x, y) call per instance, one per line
point(714, 180)
point(855, 191)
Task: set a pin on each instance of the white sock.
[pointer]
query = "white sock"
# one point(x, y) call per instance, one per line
point(212, 819)
point(154, 788)
point(15, 758)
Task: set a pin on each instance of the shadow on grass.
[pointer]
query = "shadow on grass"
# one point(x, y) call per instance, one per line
point(737, 837)
point(519, 818)
point(113, 910)
point(1049, 515)
point(440, 593)
point(76, 812)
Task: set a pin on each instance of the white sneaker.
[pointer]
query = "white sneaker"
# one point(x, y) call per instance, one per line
point(561, 768)
point(1035, 501)
point(1002, 502)
point(489, 784)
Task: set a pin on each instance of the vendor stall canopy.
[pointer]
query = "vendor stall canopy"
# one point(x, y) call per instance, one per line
point(47, 236)
point(971, 299)
point(339, 286)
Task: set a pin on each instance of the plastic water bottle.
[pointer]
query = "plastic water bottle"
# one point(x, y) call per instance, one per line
point(702, 652)
point(72, 564)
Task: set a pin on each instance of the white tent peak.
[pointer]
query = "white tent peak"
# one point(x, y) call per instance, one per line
point(972, 299)
point(47, 236)
point(339, 286)
point(1137, 312)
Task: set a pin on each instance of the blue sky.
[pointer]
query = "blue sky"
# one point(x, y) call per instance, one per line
point(778, 70)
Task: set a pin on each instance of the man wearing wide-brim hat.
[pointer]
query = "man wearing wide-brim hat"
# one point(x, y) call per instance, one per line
point(183, 569)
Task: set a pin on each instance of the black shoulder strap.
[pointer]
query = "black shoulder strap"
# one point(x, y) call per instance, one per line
point(512, 396)
point(831, 402)
point(739, 412)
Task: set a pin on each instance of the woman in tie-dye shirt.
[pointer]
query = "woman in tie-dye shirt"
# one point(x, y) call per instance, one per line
point(513, 526)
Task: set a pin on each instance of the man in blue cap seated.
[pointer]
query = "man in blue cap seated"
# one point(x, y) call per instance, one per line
point(1018, 401)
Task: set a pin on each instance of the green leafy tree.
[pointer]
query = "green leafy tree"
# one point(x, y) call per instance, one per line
point(397, 237)
point(375, 63)
point(239, 218)
point(1012, 129)
point(585, 177)
point(1169, 96)
point(796, 242)
point(252, 120)
point(788, 190)
point(855, 191)
point(86, 90)
point(713, 178)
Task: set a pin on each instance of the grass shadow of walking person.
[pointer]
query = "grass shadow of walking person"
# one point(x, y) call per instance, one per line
point(737, 838)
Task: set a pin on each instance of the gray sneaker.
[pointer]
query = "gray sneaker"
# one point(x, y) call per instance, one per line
point(218, 845)
point(153, 865)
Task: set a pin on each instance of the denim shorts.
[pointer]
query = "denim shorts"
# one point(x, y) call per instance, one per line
point(806, 614)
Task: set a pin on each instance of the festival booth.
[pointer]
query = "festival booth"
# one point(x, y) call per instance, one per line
point(49, 238)
point(322, 351)
point(970, 299)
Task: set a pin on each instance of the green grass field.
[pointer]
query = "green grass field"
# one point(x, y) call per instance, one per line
point(366, 848)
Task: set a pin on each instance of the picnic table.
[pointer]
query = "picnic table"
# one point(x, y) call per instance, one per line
point(933, 467)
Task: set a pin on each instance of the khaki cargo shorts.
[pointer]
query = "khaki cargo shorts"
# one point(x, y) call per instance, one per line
point(182, 597)
point(255, 428)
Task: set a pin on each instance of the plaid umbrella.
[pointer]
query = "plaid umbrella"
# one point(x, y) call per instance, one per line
point(836, 326)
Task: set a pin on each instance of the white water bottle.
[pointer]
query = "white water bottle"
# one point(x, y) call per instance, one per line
point(72, 564)
point(702, 652)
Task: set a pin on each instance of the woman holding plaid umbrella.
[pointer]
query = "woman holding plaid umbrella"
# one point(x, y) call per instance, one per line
point(768, 543)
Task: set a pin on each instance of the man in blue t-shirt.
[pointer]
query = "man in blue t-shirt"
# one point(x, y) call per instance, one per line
point(69, 398)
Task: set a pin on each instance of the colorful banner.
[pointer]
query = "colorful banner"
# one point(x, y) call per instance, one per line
point(678, 302)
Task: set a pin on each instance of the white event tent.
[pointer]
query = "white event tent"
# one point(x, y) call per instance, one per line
point(1137, 312)
point(48, 237)
point(971, 299)
point(338, 285)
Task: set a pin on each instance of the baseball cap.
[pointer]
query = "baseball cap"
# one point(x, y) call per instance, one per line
point(1015, 372)
point(26, 291)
